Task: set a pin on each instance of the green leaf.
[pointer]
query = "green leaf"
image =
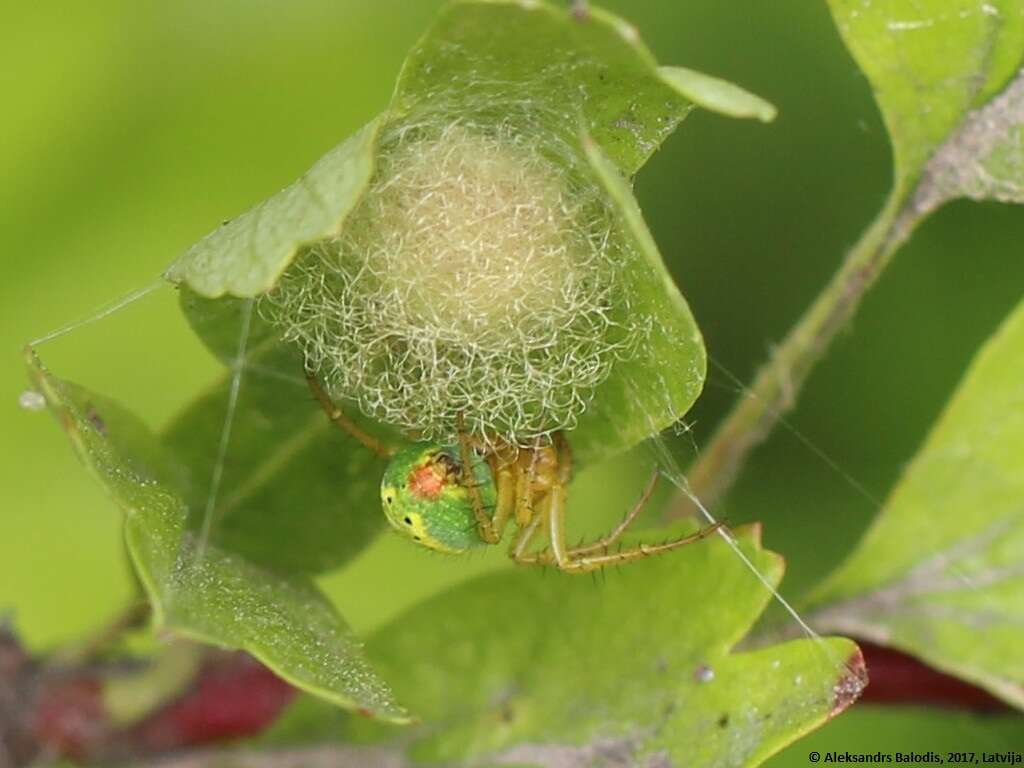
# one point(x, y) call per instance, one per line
point(214, 596)
point(653, 389)
point(296, 493)
point(942, 566)
point(591, 74)
point(220, 324)
point(718, 95)
point(936, 67)
point(246, 256)
point(521, 667)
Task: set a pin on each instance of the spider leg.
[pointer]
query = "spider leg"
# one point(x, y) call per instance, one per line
point(504, 481)
point(639, 552)
point(550, 515)
point(488, 531)
point(336, 415)
point(580, 560)
point(525, 480)
point(605, 542)
point(522, 541)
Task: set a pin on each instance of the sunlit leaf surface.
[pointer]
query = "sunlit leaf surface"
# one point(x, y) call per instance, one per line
point(940, 573)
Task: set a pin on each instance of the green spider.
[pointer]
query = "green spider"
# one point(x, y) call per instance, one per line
point(429, 497)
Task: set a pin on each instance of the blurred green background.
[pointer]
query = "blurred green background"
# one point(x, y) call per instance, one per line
point(130, 129)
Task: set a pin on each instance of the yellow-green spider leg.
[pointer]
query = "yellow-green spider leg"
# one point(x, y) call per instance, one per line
point(523, 539)
point(505, 501)
point(605, 542)
point(488, 530)
point(646, 550)
point(338, 417)
point(571, 561)
point(525, 481)
point(589, 563)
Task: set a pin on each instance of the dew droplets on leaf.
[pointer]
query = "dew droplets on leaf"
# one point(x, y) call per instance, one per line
point(32, 401)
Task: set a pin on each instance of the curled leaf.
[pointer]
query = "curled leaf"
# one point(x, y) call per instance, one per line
point(518, 101)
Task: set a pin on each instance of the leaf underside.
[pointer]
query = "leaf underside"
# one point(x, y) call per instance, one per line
point(211, 595)
point(295, 493)
point(942, 564)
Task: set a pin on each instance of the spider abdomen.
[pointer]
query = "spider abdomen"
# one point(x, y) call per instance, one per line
point(426, 496)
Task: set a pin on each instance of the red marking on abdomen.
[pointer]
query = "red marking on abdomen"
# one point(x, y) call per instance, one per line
point(426, 483)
